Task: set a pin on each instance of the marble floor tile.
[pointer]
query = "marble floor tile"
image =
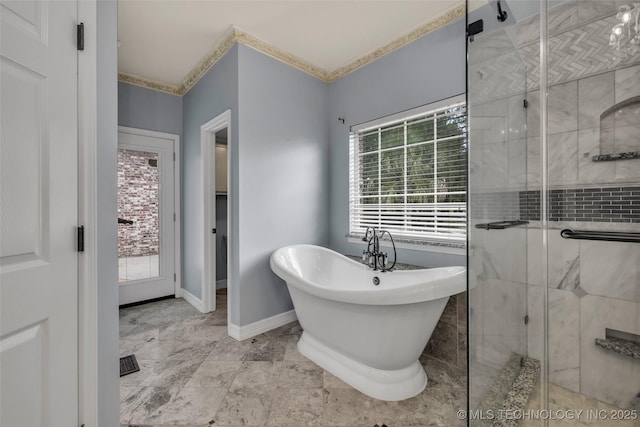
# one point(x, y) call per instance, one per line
point(265, 348)
point(296, 407)
point(245, 406)
point(350, 407)
point(331, 381)
point(196, 405)
point(141, 405)
point(291, 352)
point(193, 375)
point(255, 374)
point(227, 348)
point(213, 373)
point(296, 374)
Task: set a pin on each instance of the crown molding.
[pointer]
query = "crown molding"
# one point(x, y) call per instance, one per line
point(414, 35)
point(149, 84)
point(236, 35)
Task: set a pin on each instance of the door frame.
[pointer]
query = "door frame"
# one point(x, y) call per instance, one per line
point(88, 354)
point(207, 146)
point(177, 284)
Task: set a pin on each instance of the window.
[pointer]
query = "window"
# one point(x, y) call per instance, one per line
point(408, 174)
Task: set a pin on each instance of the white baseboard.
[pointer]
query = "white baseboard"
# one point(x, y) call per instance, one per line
point(261, 326)
point(193, 300)
point(220, 284)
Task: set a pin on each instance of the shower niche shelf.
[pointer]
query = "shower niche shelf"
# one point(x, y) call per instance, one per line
point(620, 342)
point(617, 156)
point(620, 131)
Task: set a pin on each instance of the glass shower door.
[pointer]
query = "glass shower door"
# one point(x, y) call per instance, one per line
point(498, 221)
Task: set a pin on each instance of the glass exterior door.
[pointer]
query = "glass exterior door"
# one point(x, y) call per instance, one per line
point(146, 227)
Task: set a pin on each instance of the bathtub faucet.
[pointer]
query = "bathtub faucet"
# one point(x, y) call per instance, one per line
point(372, 256)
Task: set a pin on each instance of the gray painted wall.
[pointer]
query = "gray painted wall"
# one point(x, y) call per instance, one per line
point(283, 181)
point(107, 232)
point(427, 70)
point(143, 108)
point(216, 92)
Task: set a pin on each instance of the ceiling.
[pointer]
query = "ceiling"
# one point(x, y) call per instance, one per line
point(165, 40)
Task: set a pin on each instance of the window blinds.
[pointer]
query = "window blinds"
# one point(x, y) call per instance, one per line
point(408, 175)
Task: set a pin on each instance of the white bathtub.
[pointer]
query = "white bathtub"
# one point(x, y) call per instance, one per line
point(369, 336)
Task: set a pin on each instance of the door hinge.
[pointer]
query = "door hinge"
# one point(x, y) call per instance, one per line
point(80, 36)
point(526, 319)
point(526, 104)
point(81, 238)
point(174, 156)
point(175, 277)
point(174, 217)
point(474, 28)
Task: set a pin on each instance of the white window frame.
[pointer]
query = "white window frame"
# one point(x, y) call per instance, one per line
point(445, 242)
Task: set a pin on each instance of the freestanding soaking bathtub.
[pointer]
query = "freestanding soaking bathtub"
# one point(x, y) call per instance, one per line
point(369, 335)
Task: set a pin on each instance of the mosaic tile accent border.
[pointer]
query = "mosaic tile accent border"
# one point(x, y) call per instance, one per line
point(235, 34)
point(609, 204)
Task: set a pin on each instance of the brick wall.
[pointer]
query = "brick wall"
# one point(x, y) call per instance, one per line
point(138, 200)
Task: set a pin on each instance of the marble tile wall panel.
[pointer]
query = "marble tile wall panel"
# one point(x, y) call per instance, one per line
point(533, 113)
point(606, 375)
point(534, 169)
point(535, 328)
point(563, 158)
point(534, 256)
point(563, 108)
point(610, 269)
point(564, 339)
point(595, 95)
point(494, 206)
point(627, 171)
point(503, 255)
point(589, 10)
point(517, 164)
point(490, 45)
point(563, 334)
point(564, 262)
point(627, 83)
point(504, 329)
point(590, 172)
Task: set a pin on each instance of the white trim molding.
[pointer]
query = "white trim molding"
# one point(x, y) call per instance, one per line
point(193, 300)
point(241, 333)
point(88, 355)
point(207, 148)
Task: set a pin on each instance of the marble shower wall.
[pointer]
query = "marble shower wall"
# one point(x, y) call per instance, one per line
point(592, 285)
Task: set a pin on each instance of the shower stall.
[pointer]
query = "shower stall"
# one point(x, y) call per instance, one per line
point(553, 101)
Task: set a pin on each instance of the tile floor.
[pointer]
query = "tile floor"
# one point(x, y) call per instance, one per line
point(193, 374)
point(586, 411)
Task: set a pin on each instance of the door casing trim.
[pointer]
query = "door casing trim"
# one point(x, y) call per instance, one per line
point(207, 146)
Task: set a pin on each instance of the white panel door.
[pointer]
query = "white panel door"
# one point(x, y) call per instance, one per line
point(38, 214)
point(146, 220)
